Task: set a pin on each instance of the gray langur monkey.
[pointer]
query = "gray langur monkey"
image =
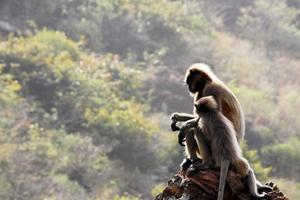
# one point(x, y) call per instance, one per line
point(201, 82)
point(219, 135)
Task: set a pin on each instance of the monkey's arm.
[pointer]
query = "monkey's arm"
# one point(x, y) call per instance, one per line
point(179, 117)
point(192, 123)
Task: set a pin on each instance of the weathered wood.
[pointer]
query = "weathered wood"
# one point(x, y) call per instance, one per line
point(203, 185)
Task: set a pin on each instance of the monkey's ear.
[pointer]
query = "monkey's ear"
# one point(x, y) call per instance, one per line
point(193, 71)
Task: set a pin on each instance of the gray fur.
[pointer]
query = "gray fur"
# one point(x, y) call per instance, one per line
point(253, 183)
point(220, 137)
point(223, 174)
point(219, 132)
point(203, 82)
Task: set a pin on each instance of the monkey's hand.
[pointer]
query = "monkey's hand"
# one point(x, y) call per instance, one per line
point(174, 118)
point(179, 117)
point(174, 127)
point(181, 137)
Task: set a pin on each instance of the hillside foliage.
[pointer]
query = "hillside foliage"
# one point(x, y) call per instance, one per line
point(87, 88)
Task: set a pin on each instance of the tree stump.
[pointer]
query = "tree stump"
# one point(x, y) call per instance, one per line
point(203, 185)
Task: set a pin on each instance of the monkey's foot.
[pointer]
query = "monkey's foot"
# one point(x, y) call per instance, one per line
point(264, 188)
point(197, 165)
point(185, 164)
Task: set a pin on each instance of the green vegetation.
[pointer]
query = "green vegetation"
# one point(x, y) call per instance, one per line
point(87, 88)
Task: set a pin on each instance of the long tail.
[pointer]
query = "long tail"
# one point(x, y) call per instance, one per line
point(222, 181)
point(252, 183)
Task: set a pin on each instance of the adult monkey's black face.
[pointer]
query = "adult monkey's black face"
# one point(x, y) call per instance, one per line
point(196, 80)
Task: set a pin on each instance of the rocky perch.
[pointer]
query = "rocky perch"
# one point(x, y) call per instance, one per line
point(203, 185)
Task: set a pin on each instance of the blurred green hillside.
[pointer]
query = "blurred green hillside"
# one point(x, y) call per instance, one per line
point(87, 88)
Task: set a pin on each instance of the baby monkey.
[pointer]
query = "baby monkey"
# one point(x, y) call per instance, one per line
point(220, 137)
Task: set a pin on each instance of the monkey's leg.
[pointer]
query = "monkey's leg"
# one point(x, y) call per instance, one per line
point(242, 167)
point(191, 145)
point(190, 150)
point(206, 161)
point(203, 147)
point(192, 162)
point(223, 175)
point(185, 129)
point(252, 183)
